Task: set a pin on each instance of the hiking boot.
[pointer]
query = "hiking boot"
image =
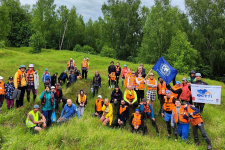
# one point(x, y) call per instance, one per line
point(196, 142)
point(209, 144)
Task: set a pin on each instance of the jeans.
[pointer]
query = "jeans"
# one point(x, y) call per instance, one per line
point(48, 115)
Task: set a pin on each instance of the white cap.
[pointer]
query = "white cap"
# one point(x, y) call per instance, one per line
point(53, 87)
point(1, 78)
point(99, 96)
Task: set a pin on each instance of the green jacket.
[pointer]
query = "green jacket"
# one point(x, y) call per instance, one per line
point(48, 105)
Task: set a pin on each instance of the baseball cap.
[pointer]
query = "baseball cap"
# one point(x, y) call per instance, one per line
point(125, 65)
point(1, 78)
point(178, 82)
point(36, 106)
point(99, 96)
point(184, 79)
point(198, 75)
point(137, 110)
point(53, 87)
point(22, 66)
point(46, 69)
point(10, 78)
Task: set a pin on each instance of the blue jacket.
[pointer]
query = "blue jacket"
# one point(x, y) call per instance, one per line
point(72, 78)
point(46, 77)
point(48, 104)
point(9, 89)
point(70, 111)
point(143, 110)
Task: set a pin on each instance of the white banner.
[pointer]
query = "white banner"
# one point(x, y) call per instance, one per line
point(206, 94)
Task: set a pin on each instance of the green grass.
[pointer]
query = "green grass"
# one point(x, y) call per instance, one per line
point(89, 133)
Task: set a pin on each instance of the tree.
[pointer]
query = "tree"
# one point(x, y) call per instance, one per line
point(181, 55)
point(4, 22)
point(108, 52)
point(37, 42)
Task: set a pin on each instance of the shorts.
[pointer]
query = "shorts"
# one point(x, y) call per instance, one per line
point(32, 128)
point(151, 95)
point(167, 117)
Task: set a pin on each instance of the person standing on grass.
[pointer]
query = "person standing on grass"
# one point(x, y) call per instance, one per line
point(140, 88)
point(137, 122)
point(2, 92)
point(111, 69)
point(140, 70)
point(151, 89)
point(84, 68)
point(116, 96)
point(107, 115)
point(81, 102)
point(176, 90)
point(20, 83)
point(197, 123)
point(54, 79)
point(166, 111)
point(88, 63)
point(130, 97)
point(96, 83)
point(122, 115)
point(161, 90)
point(186, 91)
point(123, 74)
point(58, 97)
point(33, 120)
point(112, 79)
point(118, 72)
point(131, 80)
point(32, 82)
point(98, 107)
point(63, 77)
point(147, 112)
point(68, 112)
point(48, 104)
point(76, 71)
point(9, 89)
point(70, 64)
point(192, 78)
point(46, 78)
point(129, 73)
point(180, 121)
point(199, 106)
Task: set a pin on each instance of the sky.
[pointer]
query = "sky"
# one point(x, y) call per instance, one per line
point(92, 8)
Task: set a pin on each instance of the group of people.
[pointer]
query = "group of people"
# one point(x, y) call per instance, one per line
point(130, 106)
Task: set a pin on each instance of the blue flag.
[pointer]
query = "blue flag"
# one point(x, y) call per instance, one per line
point(165, 71)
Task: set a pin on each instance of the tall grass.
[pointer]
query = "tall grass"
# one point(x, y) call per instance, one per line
point(88, 132)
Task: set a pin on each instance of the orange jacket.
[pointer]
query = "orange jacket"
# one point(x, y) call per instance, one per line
point(162, 88)
point(168, 104)
point(124, 72)
point(182, 112)
point(194, 118)
point(151, 82)
point(136, 120)
point(175, 95)
point(30, 76)
point(132, 81)
point(140, 86)
point(122, 109)
point(98, 104)
point(84, 64)
point(20, 79)
point(2, 88)
point(68, 64)
point(112, 76)
point(126, 78)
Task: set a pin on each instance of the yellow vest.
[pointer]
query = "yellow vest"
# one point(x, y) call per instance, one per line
point(29, 123)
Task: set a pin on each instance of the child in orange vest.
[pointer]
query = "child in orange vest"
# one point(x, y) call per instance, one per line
point(113, 79)
point(2, 92)
point(140, 88)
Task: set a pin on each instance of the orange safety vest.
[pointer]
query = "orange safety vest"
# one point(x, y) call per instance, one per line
point(175, 88)
point(30, 76)
point(126, 78)
point(117, 69)
point(130, 97)
point(84, 64)
point(2, 88)
point(181, 113)
point(142, 84)
point(168, 105)
point(81, 99)
point(68, 64)
point(113, 76)
point(162, 88)
point(147, 108)
point(20, 76)
point(136, 120)
point(99, 105)
point(151, 82)
point(122, 109)
point(132, 81)
point(195, 119)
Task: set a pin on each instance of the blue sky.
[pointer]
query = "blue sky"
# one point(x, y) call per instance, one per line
point(92, 8)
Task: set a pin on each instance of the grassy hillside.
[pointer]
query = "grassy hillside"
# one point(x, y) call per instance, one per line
point(88, 132)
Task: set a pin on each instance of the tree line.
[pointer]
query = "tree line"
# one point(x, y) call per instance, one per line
point(192, 39)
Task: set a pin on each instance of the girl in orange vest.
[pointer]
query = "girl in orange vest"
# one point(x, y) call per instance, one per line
point(81, 102)
point(2, 92)
point(140, 88)
point(123, 74)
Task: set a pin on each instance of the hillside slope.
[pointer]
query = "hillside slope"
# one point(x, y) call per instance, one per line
point(89, 133)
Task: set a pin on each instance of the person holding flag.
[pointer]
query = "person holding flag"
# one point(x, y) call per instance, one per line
point(152, 87)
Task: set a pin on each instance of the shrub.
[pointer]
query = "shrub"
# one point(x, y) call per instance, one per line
point(2, 44)
point(88, 49)
point(77, 48)
point(108, 52)
point(37, 42)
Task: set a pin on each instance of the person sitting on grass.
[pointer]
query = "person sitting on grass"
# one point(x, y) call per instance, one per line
point(72, 79)
point(68, 112)
point(33, 119)
point(98, 107)
point(81, 102)
point(63, 77)
point(107, 115)
point(137, 123)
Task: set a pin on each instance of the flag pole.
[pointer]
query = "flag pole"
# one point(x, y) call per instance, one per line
point(148, 73)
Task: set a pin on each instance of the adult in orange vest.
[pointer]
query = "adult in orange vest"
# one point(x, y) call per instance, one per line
point(122, 115)
point(98, 107)
point(2, 92)
point(81, 102)
point(147, 112)
point(131, 80)
point(161, 90)
point(130, 97)
point(137, 122)
point(20, 83)
point(166, 111)
point(180, 121)
point(32, 82)
point(123, 74)
point(140, 88)
point(111, 69)
point(84, 68)
point(197, 123)
point(151, 89)
point(176, 90)
point(129, 73)
point(107, 115)
point(186, 91)
point(71, 64)
point(118, 72)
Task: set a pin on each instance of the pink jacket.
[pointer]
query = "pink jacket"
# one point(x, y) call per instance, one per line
point(186, 93)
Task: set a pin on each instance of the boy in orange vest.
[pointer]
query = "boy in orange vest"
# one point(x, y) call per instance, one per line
point(140, 88)
point(151, 89)
point(2, 92)
point(137, 123)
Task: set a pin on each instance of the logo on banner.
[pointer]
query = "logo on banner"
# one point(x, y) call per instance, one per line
point(165, 69)
point(204, 93)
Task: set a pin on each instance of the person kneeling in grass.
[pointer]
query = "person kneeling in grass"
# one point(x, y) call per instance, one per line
point(33, 121)
point(137, 122)
point(69, 109)
point(107, 115)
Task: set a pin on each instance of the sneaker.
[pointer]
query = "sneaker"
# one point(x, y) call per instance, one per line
point(175, 140)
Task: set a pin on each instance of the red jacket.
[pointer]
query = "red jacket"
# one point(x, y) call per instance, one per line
point(124, 72)
point(186, 93)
